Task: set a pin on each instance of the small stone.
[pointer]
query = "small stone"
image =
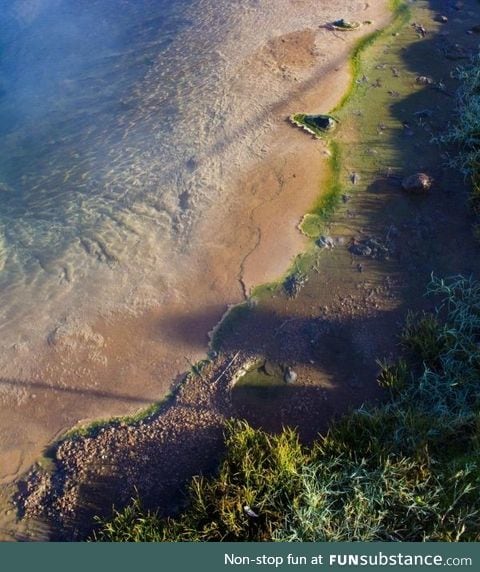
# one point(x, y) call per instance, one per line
point(360, 249)
point(442, 19)
point(421, 30)
point(249, 512)
point(290, 376)
point(269, 367)
point(418, 183)
point(354, 178)
point(326, 242)
point(424, 80)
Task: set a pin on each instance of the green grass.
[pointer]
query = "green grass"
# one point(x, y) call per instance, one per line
point(465, 132)
point(406, 470)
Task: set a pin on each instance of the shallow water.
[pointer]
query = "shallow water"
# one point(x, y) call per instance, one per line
point(121, 121)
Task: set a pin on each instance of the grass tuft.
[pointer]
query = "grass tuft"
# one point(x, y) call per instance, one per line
point(406, 470)
point(464, 134)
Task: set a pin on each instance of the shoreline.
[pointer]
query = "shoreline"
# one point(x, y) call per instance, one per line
point(181, 331)
point(363, 314)
point(131, 328)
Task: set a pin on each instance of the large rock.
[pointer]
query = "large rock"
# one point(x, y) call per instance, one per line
point(418, 183)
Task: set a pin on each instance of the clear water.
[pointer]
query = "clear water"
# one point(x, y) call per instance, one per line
point(117, 121)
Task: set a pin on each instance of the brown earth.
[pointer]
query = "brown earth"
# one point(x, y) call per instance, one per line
point(346, 316)
point(124, 362)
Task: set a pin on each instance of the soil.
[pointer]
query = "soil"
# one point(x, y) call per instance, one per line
point(347, 315)
point(124, 362)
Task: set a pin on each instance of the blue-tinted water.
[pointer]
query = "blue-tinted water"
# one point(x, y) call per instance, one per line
point(90, 143)
point(117, 121)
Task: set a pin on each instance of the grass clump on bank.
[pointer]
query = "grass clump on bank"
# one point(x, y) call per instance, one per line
point(465, 133)
point(404, 471)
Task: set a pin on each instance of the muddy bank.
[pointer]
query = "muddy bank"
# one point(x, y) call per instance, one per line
point(348, 312)
point(122, 362)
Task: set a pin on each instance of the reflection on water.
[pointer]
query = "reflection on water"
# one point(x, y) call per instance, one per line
point(97, 116)
point(115, 118)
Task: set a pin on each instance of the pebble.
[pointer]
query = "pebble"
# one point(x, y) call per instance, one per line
point(290, 375)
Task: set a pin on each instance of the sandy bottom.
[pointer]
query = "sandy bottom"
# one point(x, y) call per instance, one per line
point(123, 363)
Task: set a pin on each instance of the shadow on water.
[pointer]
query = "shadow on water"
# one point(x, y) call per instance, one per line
point(156, 458)
point(39, 386)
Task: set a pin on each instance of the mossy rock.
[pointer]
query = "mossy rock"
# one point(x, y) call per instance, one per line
point(316, 124)
point(345, 26)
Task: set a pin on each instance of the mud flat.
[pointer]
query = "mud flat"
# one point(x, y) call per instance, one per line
point(347, 310)
point(122, 363)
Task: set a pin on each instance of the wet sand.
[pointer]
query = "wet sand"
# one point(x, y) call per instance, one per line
point(125, 362)
point(332, 333)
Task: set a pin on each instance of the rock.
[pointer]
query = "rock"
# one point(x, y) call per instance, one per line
point(326, 242)
point(424, 80)
point(344, 25)
point(370, 247)
point(421, 30)
point(418, 183)
point(269, 367)
point(314, 123)
point(442, 19)
point(361, 249)
point(475, 29)
point(294, 283)
point(323, 122)
point(290, 376)
point(249, 512)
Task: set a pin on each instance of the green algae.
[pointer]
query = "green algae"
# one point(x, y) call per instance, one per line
point(314, 222)
point(375, 106)
point(264, 380)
